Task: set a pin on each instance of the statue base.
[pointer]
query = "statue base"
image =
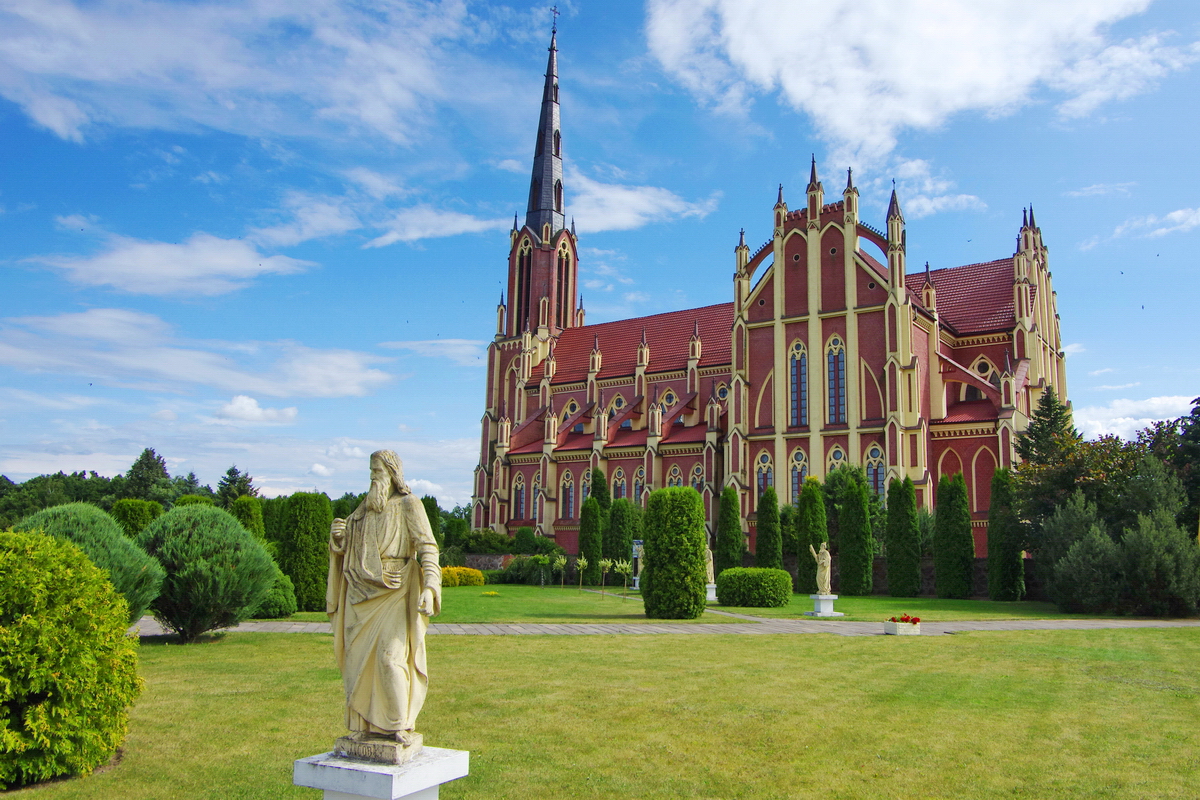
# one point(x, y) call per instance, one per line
point(823, 606)
point(711, 589)
point(419, 779)
point(378, 749)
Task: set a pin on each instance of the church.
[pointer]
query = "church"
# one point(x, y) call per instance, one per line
point(829, 352)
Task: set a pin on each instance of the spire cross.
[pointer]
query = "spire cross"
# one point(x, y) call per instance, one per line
point(554, 22)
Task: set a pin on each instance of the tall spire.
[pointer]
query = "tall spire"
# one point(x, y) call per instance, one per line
point(894, 207)
point(812, 175)
point(545, 186)
point(849, 178)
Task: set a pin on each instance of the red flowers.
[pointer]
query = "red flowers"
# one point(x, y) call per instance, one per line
point(905, 618)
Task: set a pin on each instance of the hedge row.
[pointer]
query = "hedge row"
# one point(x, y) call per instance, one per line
point(754, 587)
point(461, 576)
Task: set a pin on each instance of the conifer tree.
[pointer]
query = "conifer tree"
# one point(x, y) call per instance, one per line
point(856, 553)
point(1050, 431)
point(953, 545)
point(591, 542)
point(811, 531)
point(148, 479)
point(248, 510)
point(768, 551)
point(233, 484)
point(624, 525)
point(787, 528)
point(731, 541)
point(304, 547)
point(600, 491)
point(903, 540)
point(434, 513)
point(1006, 567)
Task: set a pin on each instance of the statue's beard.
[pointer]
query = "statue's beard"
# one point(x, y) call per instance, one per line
point(377, 495)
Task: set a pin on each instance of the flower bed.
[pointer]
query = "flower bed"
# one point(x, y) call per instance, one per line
point(903, 625)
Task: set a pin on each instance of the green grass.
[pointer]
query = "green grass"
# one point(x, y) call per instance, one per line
point(875, 608)
point(1029, 714)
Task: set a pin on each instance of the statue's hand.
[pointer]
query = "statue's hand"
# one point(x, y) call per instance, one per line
point(426, 604)
point(338, 530)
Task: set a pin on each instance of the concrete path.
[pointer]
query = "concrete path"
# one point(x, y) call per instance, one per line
point(753, 626)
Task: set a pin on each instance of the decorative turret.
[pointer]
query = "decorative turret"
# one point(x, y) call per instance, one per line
point(850, 199)
point(816, 194)
point(550, 366)
point(643, 351)
point(897, 241)
point(597, 358)
point(694, 344)
point(545, 211)
point(929, 291)
point(780, 210)
point(501, 311)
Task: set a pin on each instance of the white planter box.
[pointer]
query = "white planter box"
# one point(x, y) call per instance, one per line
point(902, 629)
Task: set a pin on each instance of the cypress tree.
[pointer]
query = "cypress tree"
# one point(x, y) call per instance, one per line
point(903, 540)
point(855, 556)
point(810, 531)
point(674, 578)
point(768, 550)
point(624, 525)
point(434, 513)
point(953, 546)
point(304, 547)
point(730, 540)
point(524, 542)
point(787, 528)
point(591, 543)
point(1006, 567)
point(248, 510)
point(600, 491)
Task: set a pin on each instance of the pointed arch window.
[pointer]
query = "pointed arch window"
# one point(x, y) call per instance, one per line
point(518, 495)
point(799, 473)
point(675, 476)
point(765, 471)
point(558, 203)
point(587, 485)
point(535, 510)
point(798, 373)
point(541, 144)
point(835, 361)
point(639, 484)
point(837, 457)
point(984, 369)
point(535, 194)
point(563, 288)
point(521, 290)
point(557, 144)
point(698, 477)
point(568, 496)
point(618, 484)
point(876, 473)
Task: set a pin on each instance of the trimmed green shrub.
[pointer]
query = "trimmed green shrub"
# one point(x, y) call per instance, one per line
point(768, 543)
point(591, 539)
point(953, 545)
point(787, 529)
point(136, 575)
point(280, 600)
point(1068, 523)
point(673, 577)
point(452, 531)
point(462, 576)
point(304, 547)
point(600, 491)
point(754, 587)
point(433, 513)
point(903, 540)
point(856, 555)
point(531, 570)
point(134, 515)
point(68, 672)
point(193, 500)
point(545, 546)
point(1006, 564)
point(248, 511)
point(216, 572)
point(1088, 578)
point(491, 576)
point(731, 542)
point(1161, 565)
point(524, 541)
point(811, 531)
point(485, 541)
point(624, 525)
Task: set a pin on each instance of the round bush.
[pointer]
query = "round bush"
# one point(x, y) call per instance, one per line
point(193, 500)
point(673, 576)
point(280, 600)
point(216, 572)
point(461, 576)
point(68, 672)
point(135, 574)
point(248, 510)
point(754, 587)
point(134, 515)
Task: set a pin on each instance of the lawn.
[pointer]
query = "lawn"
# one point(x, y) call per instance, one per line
point(1107, 713)
point(879, 607)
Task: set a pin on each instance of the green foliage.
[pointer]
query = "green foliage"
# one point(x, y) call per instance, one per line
point(787, 529)
point(601, 492)
point(731, 542)
point(1069, 523)
point(485, 541)
point(189, 485)
point(1050, 432)
point(136, 576)
point(624, 525)
point(1161, 566)
point(193, 500)
point(148, 479)
point(926, 522)
point(433, 513)
point(216, 572)
point(463, 576)
point(280, 600)
point(811, 531)
point(233, 484)
point(524, 541)
point(1088, 578)
point(304, 547)
point(903, 540)
point(44, 491)
point(842, 486)
point(673, 579)
point(1006, 565)
point(453, 530)
point(531, 570)
point(491, 576)
point(344, 506)
point(247, 509)
point(591, 539)
point(452, 556)
point(953, 545)
point(68, 672)
point(134, 515)
point(274, 511)
point(754, 587)
point(768, 549)
point(856, 555)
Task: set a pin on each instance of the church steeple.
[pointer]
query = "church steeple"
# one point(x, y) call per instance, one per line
point(545, 187)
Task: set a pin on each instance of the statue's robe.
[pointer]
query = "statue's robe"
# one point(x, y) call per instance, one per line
point(376, 576)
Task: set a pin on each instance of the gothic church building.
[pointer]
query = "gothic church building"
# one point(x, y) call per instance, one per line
point(830, 353)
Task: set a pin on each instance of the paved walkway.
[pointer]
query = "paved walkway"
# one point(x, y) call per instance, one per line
point(753, 626)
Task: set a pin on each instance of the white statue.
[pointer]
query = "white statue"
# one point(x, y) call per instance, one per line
point(384, 584)
point(708, 565)
point(823, 561)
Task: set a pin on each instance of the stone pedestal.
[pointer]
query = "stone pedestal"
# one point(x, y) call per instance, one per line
point(712, 592)
point(380, 749)
point(823, 606)
point(347, 779)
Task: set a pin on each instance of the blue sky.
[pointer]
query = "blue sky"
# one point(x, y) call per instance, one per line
point(274, 234)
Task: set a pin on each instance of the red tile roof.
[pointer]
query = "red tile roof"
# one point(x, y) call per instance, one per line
point(976, 298)
point(667, 334)
point(970, 411)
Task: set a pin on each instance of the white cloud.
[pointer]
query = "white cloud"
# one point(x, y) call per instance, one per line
point(1125, 418)
point(1120, 386)
point(1103, 371)
point(512, 165)
point(311, 218)
point(864, 70)
point(321, 470)
point(19, 399)
point(922, 193)
point(426, 222)
point(132, 349)
point(1180, 221)
point(243, 408)
point(616, 207)
point(1101, 189)
point(463, 352)
point(374, 184)
point(165, 415)
point(1074, 349)
point(204, 265)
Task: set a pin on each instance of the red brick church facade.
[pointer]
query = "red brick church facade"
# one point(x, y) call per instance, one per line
point(830, 353)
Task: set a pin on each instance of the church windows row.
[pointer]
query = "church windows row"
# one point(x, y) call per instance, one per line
point(568, 497)
point(521, 290)
point(876, 473)
point(675, 476)
point(765, 472)
point(618, 484)
point(835, 360)
point(799, 473)
point(518, 497)
point(563, 300)
point(798, 373)
point(698, 478)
